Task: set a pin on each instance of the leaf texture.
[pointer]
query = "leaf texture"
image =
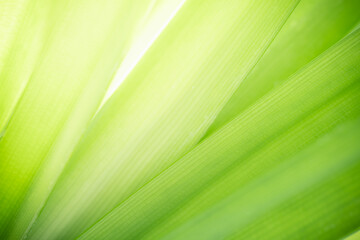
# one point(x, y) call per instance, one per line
point(309, 89)
point(159, 114)
point(183, 119)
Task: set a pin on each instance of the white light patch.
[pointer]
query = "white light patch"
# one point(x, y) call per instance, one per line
point(155, 21)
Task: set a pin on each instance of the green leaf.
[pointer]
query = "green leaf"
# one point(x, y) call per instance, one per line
point(316, 93)
point(162, 109)
point(25, 27)
point(269, 155)
point(182, 119)
point(313, 27)
point(322, 179)
point(73, 51)
point(354, 236)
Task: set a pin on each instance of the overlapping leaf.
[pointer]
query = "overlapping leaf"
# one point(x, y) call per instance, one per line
point(312, 28)
point(237, 119)
point(162, 110)
point(251, 133)
point(65, 53)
